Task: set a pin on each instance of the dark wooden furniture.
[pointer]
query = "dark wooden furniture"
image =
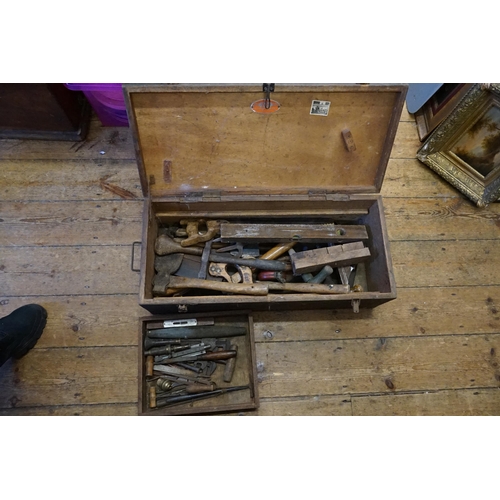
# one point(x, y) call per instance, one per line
point(42, 111)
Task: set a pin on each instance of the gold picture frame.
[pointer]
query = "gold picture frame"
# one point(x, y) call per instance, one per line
point(438, 107)
point(465, 148)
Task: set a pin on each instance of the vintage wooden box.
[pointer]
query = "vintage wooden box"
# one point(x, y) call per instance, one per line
point(243, 375)
point(280, 154)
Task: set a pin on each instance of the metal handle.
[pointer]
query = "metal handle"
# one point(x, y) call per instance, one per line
point(133, 255)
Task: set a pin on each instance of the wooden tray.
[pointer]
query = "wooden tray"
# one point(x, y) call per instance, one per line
point(244, 374)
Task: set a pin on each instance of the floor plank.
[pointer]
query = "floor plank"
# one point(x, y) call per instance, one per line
point(410, 178)
point(416, 312)
point(69, 223)
point(114, 410)
point(67, 270)
point(84, 320)
point(446, 263)
point(50, 377)
point(468, 402)
point(59, 180)
point(440, 219)
point(374, 366)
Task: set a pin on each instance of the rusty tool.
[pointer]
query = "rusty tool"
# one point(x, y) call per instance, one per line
point(321, 276)
point(178, 282)
point(308, 288)
point(238, 247)
point(199, 332)
point(190, 350)
point(245, 274)
point(190, 367)
point(220, 270)
point(278, 250)
point(166, 349)
point(195, 397)
point(149, 366)
point(165, 245)
point(195, 235)
point(202, 274)
point(282, 277)
point(284, 233)
point(230, 365)
point(165, 265)
point(171, 372)
point(179, 323)
point(152, 396)
point(196, 389)
point(210, 356)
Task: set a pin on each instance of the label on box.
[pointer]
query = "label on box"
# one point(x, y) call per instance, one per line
point(320, 108)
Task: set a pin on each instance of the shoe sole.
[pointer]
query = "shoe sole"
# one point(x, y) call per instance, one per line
point(35, 339)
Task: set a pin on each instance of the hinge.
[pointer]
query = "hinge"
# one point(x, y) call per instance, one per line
point(212, 196)
point(355, 303)
point(323, 195)
point(317, 195)
point(199, 196)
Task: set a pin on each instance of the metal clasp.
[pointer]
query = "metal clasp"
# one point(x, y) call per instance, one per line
point(267, 88)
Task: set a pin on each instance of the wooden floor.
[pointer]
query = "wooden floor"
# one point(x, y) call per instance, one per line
point(69, 213)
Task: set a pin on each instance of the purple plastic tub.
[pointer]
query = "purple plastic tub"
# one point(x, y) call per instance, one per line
point(107, 101)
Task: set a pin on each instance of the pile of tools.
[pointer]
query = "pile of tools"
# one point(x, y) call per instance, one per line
point(259, 258)
point(182, 360)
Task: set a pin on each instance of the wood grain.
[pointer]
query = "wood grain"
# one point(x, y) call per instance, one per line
point(449, 263)
point(49, 377)
point(406, 142)
point(116, 410)
point(416, 312)
point(468, 402)
point(58, 179)
point(109, 142)
point(85, 320)
point(440, 219)
point(67, 270)
point(369, 366)
point(409, 178)
point(69, 223)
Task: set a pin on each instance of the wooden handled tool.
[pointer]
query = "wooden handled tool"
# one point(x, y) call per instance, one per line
point(195, 397)
point(230, 365)
point(257, 288)
point(309, 288)
point(275, 252)
point(149, 366)
point(210, 356)
point(198, 332)
point(238, 288)
point(165, 246)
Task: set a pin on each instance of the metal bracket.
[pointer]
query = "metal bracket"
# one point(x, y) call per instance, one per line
point(133, 257)
point(267, 88)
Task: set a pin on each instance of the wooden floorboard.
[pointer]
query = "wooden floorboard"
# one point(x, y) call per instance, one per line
point(70, 212)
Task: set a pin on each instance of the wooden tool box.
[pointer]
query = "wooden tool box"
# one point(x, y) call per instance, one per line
point(279, 154)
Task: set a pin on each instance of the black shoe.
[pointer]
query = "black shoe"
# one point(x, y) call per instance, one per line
point(20, 331)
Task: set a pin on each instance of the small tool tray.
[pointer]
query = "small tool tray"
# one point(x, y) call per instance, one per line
point(301, 154)
point(154, 400)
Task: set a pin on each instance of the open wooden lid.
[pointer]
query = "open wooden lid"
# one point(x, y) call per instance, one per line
point(197, 138)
